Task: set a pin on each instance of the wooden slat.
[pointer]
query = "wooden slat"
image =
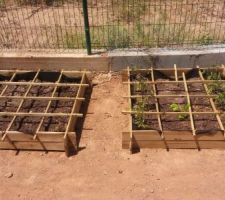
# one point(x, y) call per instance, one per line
point(34, 145)
point(157, 107)
point(130, 116)
point(42, 98)
point(47, 107)
point(172, 82)
point(173, 135)
point(190, 106)
point(16, 136)
point(177, 144)
point(174, 113)
point(175, 72)
point(44, 84)
point(36, 114)
point(170, 95)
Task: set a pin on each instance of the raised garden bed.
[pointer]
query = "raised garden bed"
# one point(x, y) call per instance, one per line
point(176, 108)
point(39, 110)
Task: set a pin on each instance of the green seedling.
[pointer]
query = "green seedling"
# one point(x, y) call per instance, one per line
point(180, 108)
point(212, 75)
point(139, 118)
point(142, 86)
point(216, 87)
point(220, 100)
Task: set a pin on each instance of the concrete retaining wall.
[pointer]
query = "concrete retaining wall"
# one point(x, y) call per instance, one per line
point(115, 60)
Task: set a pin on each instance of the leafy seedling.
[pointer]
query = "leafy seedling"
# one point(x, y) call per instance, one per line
point(220, 100)
point(139, 118)
point(216, 87)
point(180, 108)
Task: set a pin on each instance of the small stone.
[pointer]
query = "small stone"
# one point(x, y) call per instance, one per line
point(105, 173)
point(9, 175)
point(152, 191)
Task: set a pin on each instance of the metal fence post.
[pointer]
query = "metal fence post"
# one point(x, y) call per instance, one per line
point(87, 27)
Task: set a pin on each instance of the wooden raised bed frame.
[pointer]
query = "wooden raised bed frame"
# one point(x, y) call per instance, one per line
point(43, 140)
point(169, 139)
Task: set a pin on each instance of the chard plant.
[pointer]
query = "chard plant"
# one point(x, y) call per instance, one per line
point(180, 108)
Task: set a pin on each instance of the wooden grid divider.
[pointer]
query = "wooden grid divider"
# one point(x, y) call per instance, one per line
point(6, 86)
point(175, 72)
point(190, 106)
point(67, 140)
point(39, 114)
point(173, 113)
point(170, 95)
point(212, 103)
point(42, 98)
point(130, 117)
point(15, 114)
point(48, 106)
point(45, 84)
point(157, 109)
point(73, 108)
point(169, 69)
point(2, 92)
point(172, 82)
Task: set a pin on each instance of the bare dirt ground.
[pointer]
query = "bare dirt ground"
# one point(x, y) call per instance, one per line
point(102, 170)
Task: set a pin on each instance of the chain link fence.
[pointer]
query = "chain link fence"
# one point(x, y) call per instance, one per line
point(59, 24)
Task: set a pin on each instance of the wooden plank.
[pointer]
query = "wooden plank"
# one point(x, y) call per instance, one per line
point(49, 146)
point(173, 135)
point(142, 135)
point(177, 144)
point(172, 82)
point(43, 137)
point(172, 113)
point(187, 135)
point(20, 137)
point(36, 114)
point(52, 60)
point(157, 106)
point(44, 84)
point(124, 75)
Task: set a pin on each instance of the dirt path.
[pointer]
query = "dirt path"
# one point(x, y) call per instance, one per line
point(102, 170)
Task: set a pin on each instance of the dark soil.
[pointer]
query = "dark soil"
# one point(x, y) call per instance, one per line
point(30, 124)
point(202, 122)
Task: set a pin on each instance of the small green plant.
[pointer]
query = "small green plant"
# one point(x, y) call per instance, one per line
point(220, 100)
point(142, 86)
point(212, 75)
point(180, 108)
point(139, 117)
point(216, 87)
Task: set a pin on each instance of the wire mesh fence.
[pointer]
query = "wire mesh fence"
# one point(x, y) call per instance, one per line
point(59, 24)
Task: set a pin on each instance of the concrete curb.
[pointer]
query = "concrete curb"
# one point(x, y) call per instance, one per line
point(114, 60)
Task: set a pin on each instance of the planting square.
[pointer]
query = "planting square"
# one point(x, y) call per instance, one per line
point(175, 108)
point(39, 109)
